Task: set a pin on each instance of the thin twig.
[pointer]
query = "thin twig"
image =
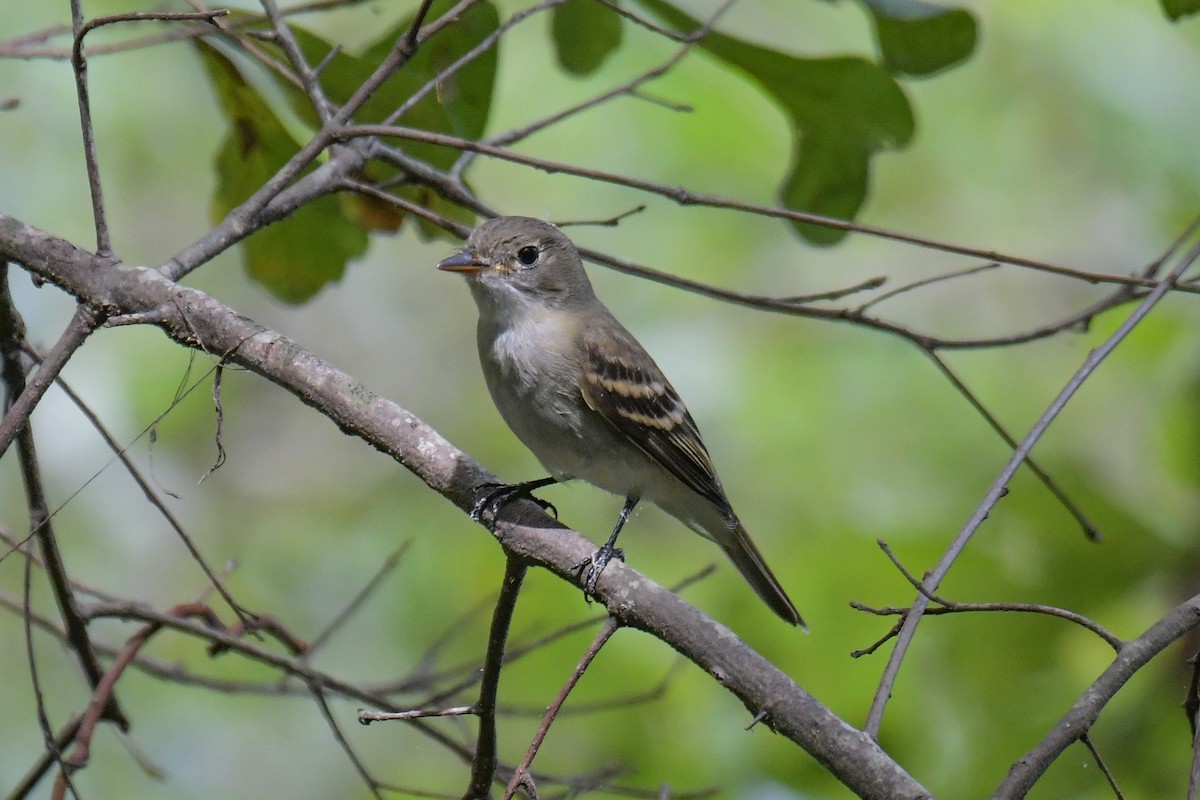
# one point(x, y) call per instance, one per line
point(674, 36)
point(404, 50)
point(307, 75)
point(246, 39)
point(1000, 484)
point(83, 323)
point(1112, 779)
point(521, 773)
point(483, 765)
point(406, 206)
point(1090, 531)
point(53, 750)
point(79, 69)
point(485, 44)
point(610, 222)
point(119, 454)
point(40, 526)
point(49, 757)
point(687, 197)
point(908, 287)
point(367, 716)
point(318, 694)
point(952, 607)
point(628, 88)
point(359, 598)
point(102, 696)
point(1026, 771)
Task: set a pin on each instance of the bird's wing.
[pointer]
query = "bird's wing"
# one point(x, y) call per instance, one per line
point(624, 386)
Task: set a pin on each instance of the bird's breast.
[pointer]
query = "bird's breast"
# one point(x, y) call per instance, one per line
point(532, 379)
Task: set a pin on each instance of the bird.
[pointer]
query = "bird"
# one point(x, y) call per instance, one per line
point(586, 398)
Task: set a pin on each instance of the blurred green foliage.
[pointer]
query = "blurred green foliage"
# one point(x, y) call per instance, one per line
point(828, 437)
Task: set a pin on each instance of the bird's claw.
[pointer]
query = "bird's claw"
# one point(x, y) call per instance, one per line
point(590, 568)
point(501, 494)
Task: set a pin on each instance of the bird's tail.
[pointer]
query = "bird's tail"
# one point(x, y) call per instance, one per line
point(745, 556)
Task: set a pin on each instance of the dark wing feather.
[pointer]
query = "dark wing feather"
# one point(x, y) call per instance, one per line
point(624, 385)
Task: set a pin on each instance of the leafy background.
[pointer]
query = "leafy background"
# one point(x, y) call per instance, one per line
point(1057, 140)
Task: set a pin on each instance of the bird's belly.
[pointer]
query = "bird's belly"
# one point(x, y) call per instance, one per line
point(560, 431)
point(546, 411)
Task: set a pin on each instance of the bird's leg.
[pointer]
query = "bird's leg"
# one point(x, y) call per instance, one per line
point(608, 551)
point(499, 495)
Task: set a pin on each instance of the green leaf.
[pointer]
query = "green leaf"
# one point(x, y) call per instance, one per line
point(459, 105)
point(1178, 9)
point(297, 256)
point(919, 38)
point(585, 32)
point(843, 111)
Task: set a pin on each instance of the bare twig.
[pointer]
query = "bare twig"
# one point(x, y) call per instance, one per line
point(45, 762)
point(483, 765)
point(950, 607)
point(120, 454)
point(485, 44)
point(629, 88)
point(674, 36)
point(81, 326)
point(611, 222)
point(40, 527)
point(908, 287)
point(689, 198)
point(1090, 531)
point(1086, 710)
point(318, 694)
point(366, 716)
point(1000, 484)
point(102, 696)
point(79, 68)
point(307, 75)
point(1086, 739)
point(359, 598)
point(521, 774)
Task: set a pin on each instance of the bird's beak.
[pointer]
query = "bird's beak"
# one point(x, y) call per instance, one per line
point(466, 262)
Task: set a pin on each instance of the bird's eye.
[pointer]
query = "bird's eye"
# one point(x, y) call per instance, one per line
point(528, 255)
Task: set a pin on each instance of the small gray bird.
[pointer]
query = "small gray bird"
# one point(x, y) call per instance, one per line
point(586, 398)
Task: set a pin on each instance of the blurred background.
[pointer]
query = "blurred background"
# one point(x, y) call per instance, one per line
point(1070, 136)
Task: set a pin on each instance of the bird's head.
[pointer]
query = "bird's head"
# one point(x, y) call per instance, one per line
point(525, 259)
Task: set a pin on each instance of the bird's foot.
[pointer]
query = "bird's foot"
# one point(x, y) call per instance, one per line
point(499, 495)
point(590, 568)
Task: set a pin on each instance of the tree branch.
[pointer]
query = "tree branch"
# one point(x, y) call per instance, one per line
point(999, 485)
point(195, 319)
point(1075, 723)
